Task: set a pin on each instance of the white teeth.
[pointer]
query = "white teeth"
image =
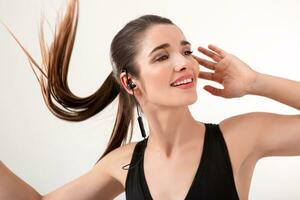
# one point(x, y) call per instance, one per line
point(182, 82)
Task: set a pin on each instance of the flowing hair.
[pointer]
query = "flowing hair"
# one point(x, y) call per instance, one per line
point(52, 73)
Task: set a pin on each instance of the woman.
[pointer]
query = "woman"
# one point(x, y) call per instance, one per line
point(152, 60)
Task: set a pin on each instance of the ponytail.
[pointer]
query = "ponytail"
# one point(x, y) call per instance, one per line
point(54, 85)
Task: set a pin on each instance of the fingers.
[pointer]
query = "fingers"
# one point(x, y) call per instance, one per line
point(206, 75)
point(205, 63)
point(209, 76)
point(210, 54)
point(214, 91)
point(217, 55)
point(220, 51)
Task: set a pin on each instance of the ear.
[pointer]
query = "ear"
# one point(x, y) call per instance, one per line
point(124, 82)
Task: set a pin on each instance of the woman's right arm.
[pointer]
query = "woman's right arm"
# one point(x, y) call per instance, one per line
point(14, 188)
point(98, 183)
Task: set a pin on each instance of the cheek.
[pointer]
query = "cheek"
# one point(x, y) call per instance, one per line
point(194, 61)
point(195, 64)
point(158, 79)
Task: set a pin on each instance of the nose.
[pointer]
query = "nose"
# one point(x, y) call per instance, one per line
point(180, 67)
point(181, 63)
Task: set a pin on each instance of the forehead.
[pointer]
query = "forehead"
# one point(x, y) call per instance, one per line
point(159, 34)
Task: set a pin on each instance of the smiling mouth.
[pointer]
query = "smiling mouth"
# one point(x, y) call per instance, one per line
point(172, 85)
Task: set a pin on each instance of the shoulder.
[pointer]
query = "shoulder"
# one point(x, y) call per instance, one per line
point(122, 153)
point(245, 125)
point(116, 159)
point(247, 129)
point(270, 134)
point(259, 134)
point(240, 133)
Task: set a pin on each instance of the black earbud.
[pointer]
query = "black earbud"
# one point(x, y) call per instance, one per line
point(131, 85)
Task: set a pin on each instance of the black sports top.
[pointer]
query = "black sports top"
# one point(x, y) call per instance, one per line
point(213, 179)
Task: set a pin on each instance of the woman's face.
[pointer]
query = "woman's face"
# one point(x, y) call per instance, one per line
point(159, 67)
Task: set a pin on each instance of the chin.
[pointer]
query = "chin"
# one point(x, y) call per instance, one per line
point(186, 101)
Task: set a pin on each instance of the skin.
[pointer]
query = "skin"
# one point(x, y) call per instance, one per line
point(175, 137)
point(168, 118)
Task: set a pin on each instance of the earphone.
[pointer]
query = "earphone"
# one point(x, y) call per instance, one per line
point(131, 85)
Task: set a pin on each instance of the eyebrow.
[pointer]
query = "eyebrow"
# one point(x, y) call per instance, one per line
point(165, 45)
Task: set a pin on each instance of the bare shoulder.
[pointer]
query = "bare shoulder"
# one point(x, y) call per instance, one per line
point(116, 159)
point(120, 154)
point(240, 133)
point(254, 135)
point(244, 126)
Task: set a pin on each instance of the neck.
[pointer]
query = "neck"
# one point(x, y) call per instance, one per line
point(171, 129)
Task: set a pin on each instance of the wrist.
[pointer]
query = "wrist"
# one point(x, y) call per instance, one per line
point(255, 84)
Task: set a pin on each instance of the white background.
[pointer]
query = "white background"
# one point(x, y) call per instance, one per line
point(47, 152)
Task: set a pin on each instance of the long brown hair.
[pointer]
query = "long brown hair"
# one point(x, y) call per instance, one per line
point(54, 69)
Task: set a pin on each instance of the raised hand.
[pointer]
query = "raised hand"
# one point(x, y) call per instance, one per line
point(235, 75)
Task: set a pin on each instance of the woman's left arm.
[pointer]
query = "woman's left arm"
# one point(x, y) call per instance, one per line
point(271, 134)
point(280, 89)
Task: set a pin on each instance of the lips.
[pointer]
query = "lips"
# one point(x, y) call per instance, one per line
point(181, 78)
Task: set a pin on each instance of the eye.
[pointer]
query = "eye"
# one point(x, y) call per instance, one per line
point(162, 58)
point(188, 53)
